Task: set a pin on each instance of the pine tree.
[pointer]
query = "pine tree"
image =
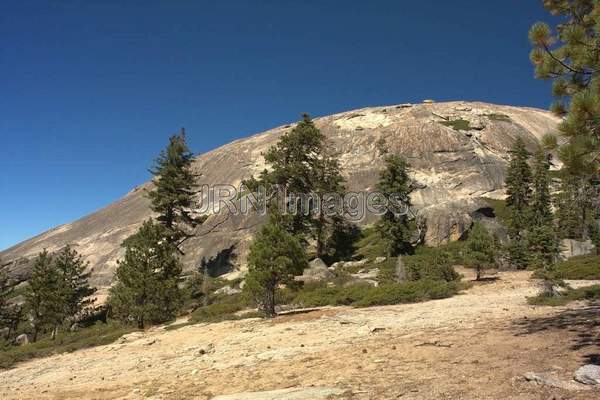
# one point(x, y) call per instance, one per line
point(147, 278)
point(74, 287)
point(569, 55)
point(328, 184)
point(480, 249)
point(518, 189)
point(543, 251)
point(541, 209)
point(595, 236)
point(394, 225)
point(275, 257)
point(302, 165)
point(6, 289)
point(570, 205)
point(42, 295)
point(174, 190)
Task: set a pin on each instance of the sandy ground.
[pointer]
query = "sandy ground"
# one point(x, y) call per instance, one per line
point(476, 345)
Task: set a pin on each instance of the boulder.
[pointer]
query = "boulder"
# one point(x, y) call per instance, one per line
point(358, 263)
point(588, 374)
point(22, 339)
point(371, 274)
point(572, 248)
point(4, 332)
point(450, 221)
point(227, 290)
point(547, 380)
point(317, 271)
point(379, 260)
point(336, 265)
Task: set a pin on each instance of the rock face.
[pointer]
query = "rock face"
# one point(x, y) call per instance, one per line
point(454, 164)
point(588, 374)
point(317, 271)
point(22, 339)
point(572, 248)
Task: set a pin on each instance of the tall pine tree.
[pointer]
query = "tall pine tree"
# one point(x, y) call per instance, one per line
point(43, 295)
point(541, 207)
point(6, 289)
point(147, 278)
point(394, 225)
point(172, 197)
point(74, 286)
point(518, 189)
point(305, 169)
point(569, 55)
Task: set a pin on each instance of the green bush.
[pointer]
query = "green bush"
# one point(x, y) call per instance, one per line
point(430, 264)
point(458, 124)
point(584, 293)
point(222, 308)
point(498, 117)
point(363, 295)
point(580, 267)
point(96, 335)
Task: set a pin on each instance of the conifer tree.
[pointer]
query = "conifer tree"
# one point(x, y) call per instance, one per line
point(275, 257)
point(174, 190)
point(328, 184)
point(74, 287)
point(146, 290)
point(394, 226)
point(480, 249)
point(5, 291)
point(518, 189)
point(568, 208)
point(595, 236)
point(302, 165)
point(543, 251)
point(541, 239)
point(569, 55)
point(43, 294)
point(541, 209)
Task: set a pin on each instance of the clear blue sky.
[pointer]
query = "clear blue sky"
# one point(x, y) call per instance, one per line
point(90, 91)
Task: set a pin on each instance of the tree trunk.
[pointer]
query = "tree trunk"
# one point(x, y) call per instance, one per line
point(140, 323)
point(320, 241)
point(205, 283)
point(269, 305)
point(35, 333)
point(400, 270)
point(54, 332)
point(479, 270)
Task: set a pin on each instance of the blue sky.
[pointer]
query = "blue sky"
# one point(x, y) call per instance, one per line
point(90, 91)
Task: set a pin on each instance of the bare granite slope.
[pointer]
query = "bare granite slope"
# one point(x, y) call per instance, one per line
point(456, 163)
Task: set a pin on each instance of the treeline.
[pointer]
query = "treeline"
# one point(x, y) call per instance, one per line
point(542, 213)
point(56, 295)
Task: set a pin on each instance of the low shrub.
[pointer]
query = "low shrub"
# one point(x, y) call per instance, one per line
point(585, 293)
point(363, 295)
point(222, 308)
point(580, 267)
point(96, 335)
point(498, 117)
point(458, 124)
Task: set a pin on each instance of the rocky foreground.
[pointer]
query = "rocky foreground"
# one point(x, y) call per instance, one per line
point(487, 343)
